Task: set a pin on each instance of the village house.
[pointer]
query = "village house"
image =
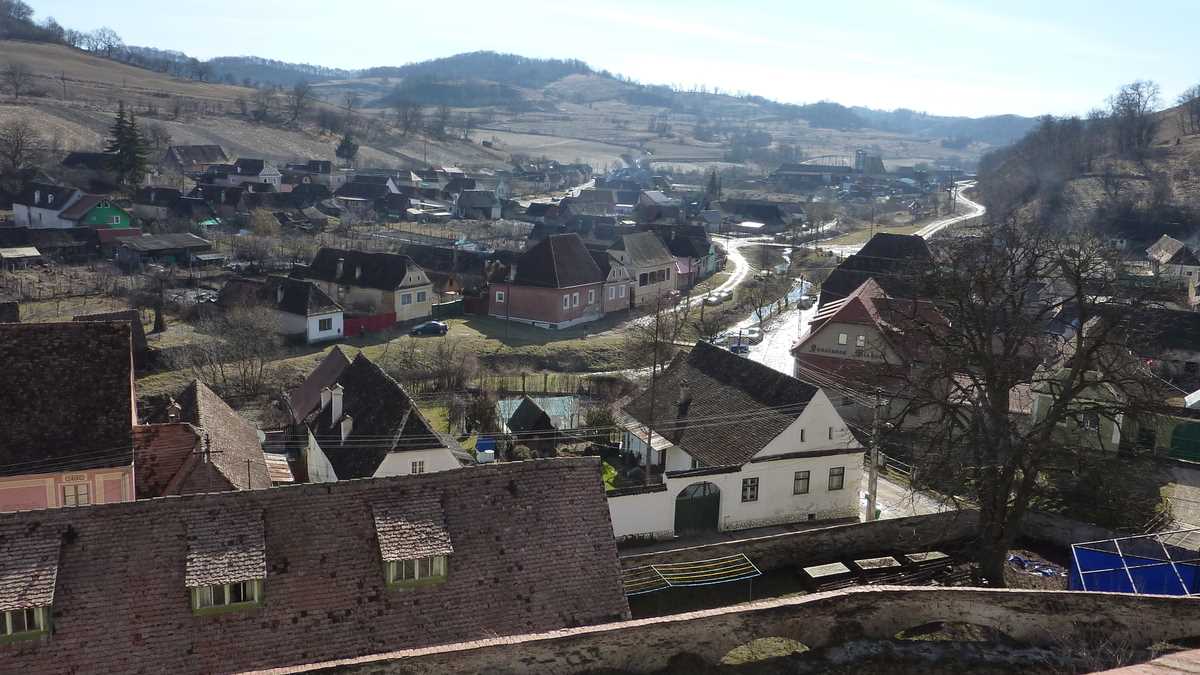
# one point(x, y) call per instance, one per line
point(782, 455)
point(1173, 260)
point(618, 284)
point(889, 259)
point(650, 266)
point(477, 205)
point(45, 205)
point(156, 202)
point(554, 284)
point(54, 375)
point(454, 270)
point(532, 427)
point(775, 216)
point(72, 244)
point(316, 172)
point(384, 288)
point(243, 171)
point(655, 206)
point(300, 308)
point(368, 566)
point(193, 159)
point(695, 256)
point(366, 425)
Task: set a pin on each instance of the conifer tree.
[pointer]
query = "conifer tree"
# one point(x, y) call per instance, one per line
point(347, 149)
point(128, 148)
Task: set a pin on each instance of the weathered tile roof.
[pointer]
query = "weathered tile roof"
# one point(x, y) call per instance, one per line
point(29, 555)
point(224, 546)
point(477, 199)
point(133, 316)
point(529, 416)
point(198, 154)
point(166, 242)
point(644, 249)
point(299, 297)
point(533, 551)
point(232, 442)
point(558, 261)
point(890, 259)
point(1170, 251)
point(757, 403)
point(304, 399)
point(81, 206)
point(411, 528)
point(364, 269)
point(66, 392)
point(159, 453)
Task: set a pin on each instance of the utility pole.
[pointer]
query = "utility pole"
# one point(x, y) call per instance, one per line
point(873, 470)
point(653, 382)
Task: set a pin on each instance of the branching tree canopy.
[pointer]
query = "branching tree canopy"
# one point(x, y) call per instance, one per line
point(1012, 320)
point(299, 99)
point(20, 145)
point(1132, 110)
point(18, 77)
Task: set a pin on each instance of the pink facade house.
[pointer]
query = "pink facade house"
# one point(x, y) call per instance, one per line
point(69, 412)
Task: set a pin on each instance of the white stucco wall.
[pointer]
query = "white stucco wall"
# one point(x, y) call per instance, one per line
point(651, 514)
point(417, 309)
point(819, 422)
point(317, 464)
point(315, 334)
point(400, 463)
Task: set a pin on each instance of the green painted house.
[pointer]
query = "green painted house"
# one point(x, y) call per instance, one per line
point(96, 211)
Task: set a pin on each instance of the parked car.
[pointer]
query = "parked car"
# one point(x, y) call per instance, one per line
point(430, 328)
point(739, 348)
point(713, 299)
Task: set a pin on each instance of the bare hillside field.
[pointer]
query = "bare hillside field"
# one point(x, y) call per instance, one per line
point(555, 147)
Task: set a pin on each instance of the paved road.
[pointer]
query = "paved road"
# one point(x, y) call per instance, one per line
point(973, 209)
point(894, 500)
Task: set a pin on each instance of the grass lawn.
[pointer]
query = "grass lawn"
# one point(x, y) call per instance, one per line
point(516, 348)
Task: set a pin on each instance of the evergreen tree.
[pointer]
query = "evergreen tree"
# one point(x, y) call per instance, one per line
point(128, 147)
point(347, 149)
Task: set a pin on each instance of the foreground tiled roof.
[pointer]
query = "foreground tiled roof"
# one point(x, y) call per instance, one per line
point(756, 401)
point(224, 547)
point(133, 316)
point(66, 396)
point(159, 454)
point(28, 565)
point(532, 551)
point(411, 528)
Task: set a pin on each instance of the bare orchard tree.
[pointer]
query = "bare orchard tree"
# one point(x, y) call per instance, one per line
point(653, 340)
point(1189, 110)
point(157, 136)
point(409, 116)
point(1042, 317)
point(299, 99)
point(20, 145)
point(237, 360)
point(18, 78)
point(264, 104)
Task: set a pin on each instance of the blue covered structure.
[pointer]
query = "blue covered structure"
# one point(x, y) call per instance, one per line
point(1166, 563)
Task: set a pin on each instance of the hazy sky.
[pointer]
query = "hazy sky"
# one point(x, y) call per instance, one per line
point(941, 56)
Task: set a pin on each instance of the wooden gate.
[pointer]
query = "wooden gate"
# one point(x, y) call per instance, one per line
point(698, 508)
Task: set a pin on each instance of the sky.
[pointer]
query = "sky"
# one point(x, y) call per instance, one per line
point(947, 57)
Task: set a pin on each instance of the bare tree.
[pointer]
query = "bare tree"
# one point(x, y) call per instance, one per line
point(440, 121)
point(237, 360)
point(20, 145)
point(157, 136)
point(981, 335)
point(408, 116)
point(19, 78)
point(298, 100)
point(351, 102)
point(264, 104)
point(1132, 111)
point(655, 338)
point(106, 41)
point(1189, 113)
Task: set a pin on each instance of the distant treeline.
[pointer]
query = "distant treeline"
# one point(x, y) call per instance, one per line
point(509, 69)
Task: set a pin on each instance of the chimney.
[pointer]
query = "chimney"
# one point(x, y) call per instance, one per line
point(340, 266)
point(336, 402)
point(174, 411)
point(681, 411)
point(326, 395)
point(279, 294)
point(347, 426)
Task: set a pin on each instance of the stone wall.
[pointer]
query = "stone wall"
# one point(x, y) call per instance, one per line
point(818, 620)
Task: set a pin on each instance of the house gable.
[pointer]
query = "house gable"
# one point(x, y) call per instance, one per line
point(819, 430)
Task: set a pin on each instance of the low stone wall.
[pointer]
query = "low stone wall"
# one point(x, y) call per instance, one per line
point(820, 545)
point(819, 620)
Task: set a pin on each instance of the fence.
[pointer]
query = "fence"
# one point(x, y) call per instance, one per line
point(361, 324)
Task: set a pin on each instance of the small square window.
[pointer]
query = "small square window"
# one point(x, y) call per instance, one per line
point(417, 572)
point(749, 489)
point(837, 478)
point(800, 483)
point(566, 302)
point(406, 299)
point(842, 338)
point(76, 494)
point(1090, 421)
point(420, 296)
point(324, 324)
point(418, 466)
point(500, 297)
point(860, 341)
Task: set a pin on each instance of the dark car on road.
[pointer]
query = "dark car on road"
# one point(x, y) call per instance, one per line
point(430, 328)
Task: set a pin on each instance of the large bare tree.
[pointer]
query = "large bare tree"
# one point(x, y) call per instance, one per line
point(1014, 314)
point(299, 99)
point(20, 145)
point(1132, 111)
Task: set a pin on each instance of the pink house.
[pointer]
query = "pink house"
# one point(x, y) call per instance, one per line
point(66, 434)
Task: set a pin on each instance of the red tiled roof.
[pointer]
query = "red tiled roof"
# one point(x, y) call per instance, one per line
point(159, 453)
point(533, 551)
point(109, 235)
point(81, 206)
point(28, 565)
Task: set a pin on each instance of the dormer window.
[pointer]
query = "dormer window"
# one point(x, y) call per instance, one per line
point(226, 561)
point(18, 624)
point(230, 596)
point(413, 541)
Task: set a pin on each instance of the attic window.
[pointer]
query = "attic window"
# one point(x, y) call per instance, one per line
point(17, 624)
point(413, 541)
point(50, 198)
point(226, 559)
point(29, 566)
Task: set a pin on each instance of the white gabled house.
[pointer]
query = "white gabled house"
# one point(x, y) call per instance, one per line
point(358, 422)
point(734, 444)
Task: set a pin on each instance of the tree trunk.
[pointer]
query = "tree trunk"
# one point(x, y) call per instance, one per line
point(991, 551)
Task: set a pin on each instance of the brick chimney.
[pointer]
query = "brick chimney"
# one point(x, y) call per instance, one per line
point(336, 402)
point(279, 294)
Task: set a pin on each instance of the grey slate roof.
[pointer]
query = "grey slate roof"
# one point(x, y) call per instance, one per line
point(381, 271)
point(644, 249)
point(477, 199)
point(305, 398)
point(165, 242)
point(1170, 251)
point(722, 384)
point(558, 261)
point(300, 297)
point(224, 547)
point(28, 565)
point(411, 528)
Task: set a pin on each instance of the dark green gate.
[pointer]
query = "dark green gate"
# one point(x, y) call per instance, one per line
point(1185, 441)
point(698, 508)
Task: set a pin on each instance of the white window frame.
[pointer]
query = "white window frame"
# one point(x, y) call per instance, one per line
point(567, 301)
point(500, 297)
point(418, 466)
point(801, 478)
point(622, 293)
point(843, 339)
point(750, 489)
point(405, 299)
point(860, 341)
point(418, 571)
point(321, 324)
point(420, 296)
point(76, 494)
point(203, 597)
point(575, 299)
point(840, 473)
point(591, 296)
point(612, 292)
point(9, 617)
